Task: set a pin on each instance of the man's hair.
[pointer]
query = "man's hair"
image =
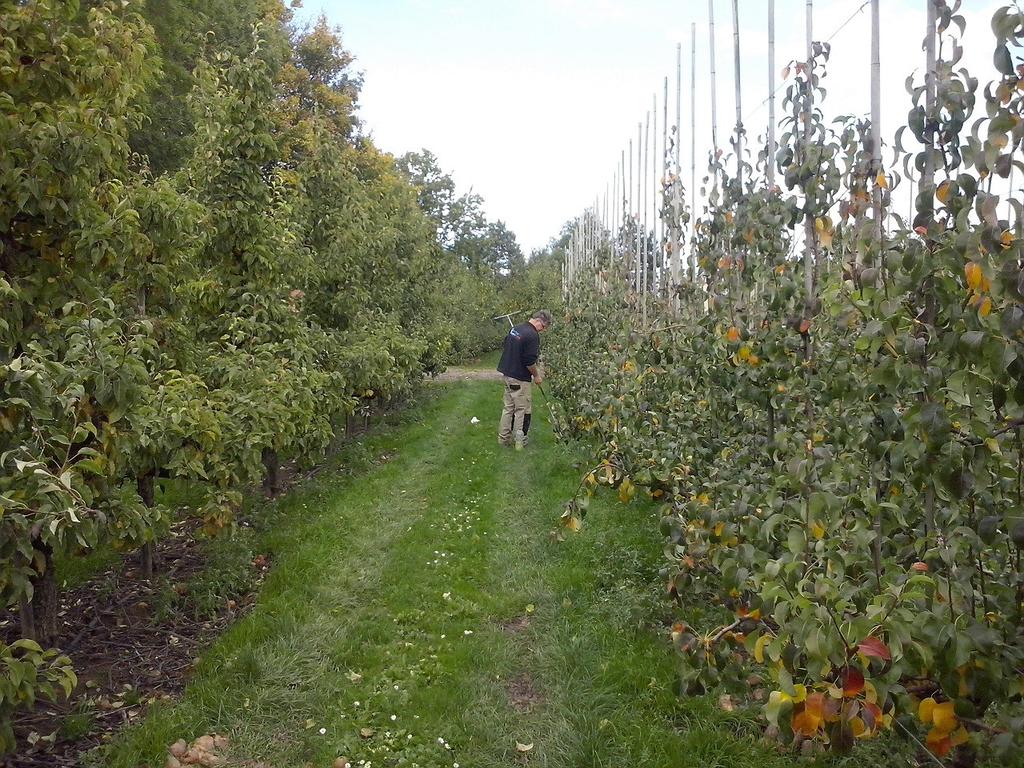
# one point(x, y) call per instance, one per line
point(544, 316)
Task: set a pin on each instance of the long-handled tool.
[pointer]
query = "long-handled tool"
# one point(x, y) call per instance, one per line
point(508, 316)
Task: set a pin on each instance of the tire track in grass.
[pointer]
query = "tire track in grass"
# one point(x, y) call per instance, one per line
point(592, 648)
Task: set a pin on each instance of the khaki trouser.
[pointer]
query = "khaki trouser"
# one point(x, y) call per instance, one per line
point(518, 404)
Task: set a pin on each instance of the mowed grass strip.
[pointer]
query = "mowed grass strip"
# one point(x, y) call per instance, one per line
point(420, 613)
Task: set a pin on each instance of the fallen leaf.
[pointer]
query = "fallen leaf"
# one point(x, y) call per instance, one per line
point(523, 747)
point(726, 703)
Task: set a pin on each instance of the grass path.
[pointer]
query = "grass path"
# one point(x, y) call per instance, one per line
point(420, 613)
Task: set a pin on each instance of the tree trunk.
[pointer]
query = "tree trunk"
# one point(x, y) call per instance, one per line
point(147, 555)
point(39, 617)
point(272, 473)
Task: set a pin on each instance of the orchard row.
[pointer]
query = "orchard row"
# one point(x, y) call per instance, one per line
point(835, 436)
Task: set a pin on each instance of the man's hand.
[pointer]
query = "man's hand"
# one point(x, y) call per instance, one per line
point(537, 379)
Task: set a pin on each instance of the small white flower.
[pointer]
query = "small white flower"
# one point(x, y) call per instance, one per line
point(355, 703)
point(440, 741)
point(443, 636)
point(323, 731)
point(468, 632)
point(394, 717)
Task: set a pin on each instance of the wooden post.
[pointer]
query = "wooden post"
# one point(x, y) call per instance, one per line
point(644, 241)
point(662, 178)
point(677, 230)
point(652, 260)
point(714, 92)
point(655, 281)
point(739, 104)
point(639, 175)
point(621, 201)
point(629, 199)
point(772, 147)
point(605, 225)
point(611, 210)
point(927, 187)
point(876, 122)
point(809, 231)
point(588, 237)
point(693, 152)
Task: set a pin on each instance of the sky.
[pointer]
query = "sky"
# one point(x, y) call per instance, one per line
point(530, 103)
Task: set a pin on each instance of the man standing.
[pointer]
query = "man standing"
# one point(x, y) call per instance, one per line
point(519, 366)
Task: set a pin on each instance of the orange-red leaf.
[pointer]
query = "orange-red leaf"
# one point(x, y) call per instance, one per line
point(939, 742)
point(816, 704)
point(808, 720)
point(853, 682)
point(872, 715)
point(873, 647)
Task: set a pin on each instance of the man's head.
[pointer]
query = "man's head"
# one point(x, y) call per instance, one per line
point(541, 320)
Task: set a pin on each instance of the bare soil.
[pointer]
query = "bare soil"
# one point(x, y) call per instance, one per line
point(127, 657)
point(516, 625)
point(522, 694)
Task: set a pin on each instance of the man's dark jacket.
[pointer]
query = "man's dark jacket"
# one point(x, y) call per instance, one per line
point(521, 350)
